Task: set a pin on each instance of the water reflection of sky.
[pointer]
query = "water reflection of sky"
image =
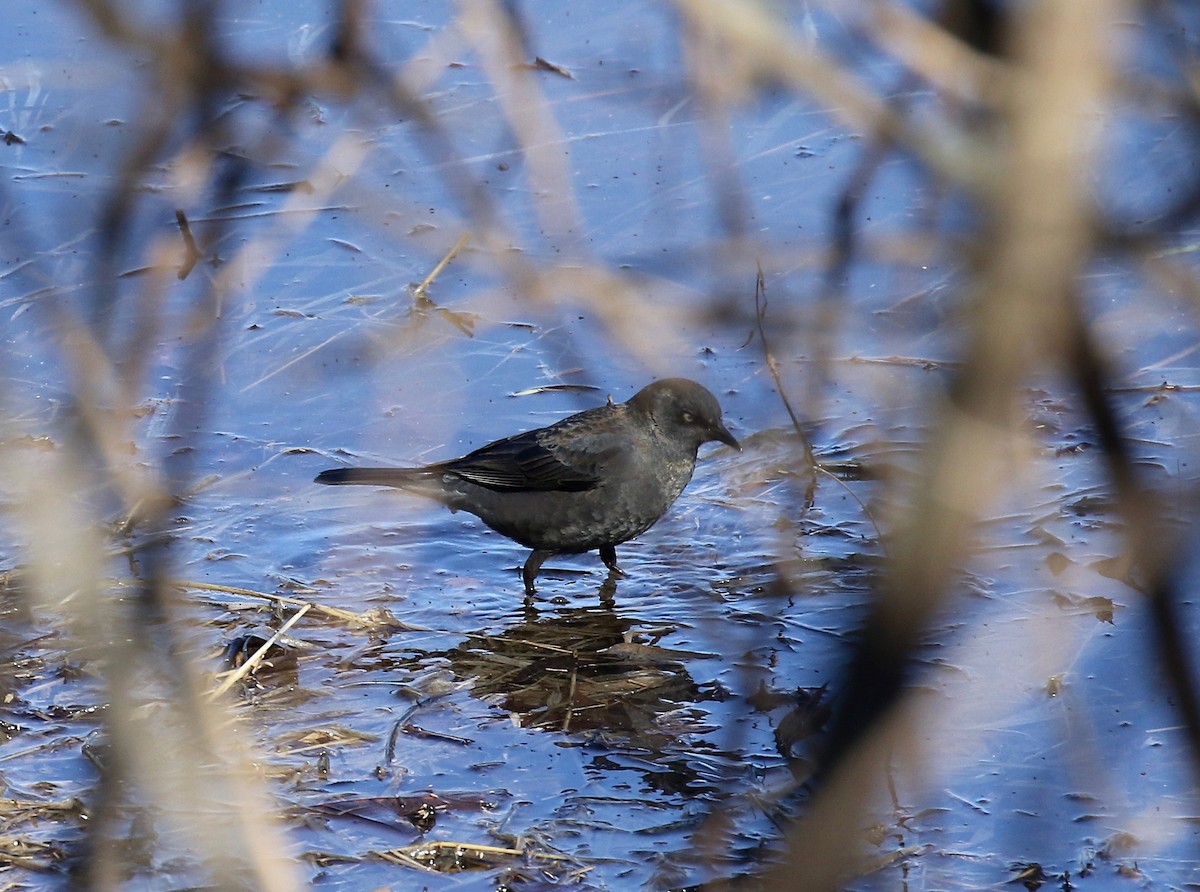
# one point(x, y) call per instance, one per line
point(1049, 731)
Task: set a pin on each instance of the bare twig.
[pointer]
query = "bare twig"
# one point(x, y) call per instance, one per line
point(760, 315)
point(259, 655)
point(361, 620)
point(192, 253)
point(421, 292)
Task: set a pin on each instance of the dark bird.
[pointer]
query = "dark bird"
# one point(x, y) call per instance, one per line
point(590, 481)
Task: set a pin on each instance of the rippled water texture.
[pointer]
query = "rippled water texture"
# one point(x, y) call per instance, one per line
point(618, 196)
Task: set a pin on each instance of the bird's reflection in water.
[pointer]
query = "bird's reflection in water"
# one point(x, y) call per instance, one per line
point(605, 679)
point(583, 670)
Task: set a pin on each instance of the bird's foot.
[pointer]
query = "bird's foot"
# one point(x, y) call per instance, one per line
point(530, 571)
point(608, 554)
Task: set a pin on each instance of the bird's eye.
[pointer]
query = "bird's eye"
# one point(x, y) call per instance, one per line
point(688, 417)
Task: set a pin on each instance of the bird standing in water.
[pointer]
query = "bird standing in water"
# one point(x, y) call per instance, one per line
point(591, 481)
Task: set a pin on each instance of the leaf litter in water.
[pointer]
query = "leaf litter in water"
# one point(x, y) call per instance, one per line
point(456, 857)
point(419, 812)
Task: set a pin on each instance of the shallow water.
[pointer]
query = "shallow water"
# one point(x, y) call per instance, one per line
point(649, 736)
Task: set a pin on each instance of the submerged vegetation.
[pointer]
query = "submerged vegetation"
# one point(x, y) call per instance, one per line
point(934, 625)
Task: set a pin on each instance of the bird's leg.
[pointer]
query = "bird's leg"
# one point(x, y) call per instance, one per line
point(537, 557)
point(608, 554)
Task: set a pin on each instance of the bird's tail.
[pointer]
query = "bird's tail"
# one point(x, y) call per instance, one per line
point(405, 478)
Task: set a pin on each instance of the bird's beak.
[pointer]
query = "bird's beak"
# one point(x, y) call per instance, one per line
point(720, 432)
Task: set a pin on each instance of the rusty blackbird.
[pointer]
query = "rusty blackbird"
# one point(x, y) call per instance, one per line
point(591, 481)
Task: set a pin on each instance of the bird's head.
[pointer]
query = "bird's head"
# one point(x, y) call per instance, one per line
point(684, 410)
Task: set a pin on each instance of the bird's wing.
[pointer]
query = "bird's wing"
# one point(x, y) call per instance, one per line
point(565, 457)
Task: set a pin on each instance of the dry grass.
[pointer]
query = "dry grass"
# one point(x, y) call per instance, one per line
point(1007, 126)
